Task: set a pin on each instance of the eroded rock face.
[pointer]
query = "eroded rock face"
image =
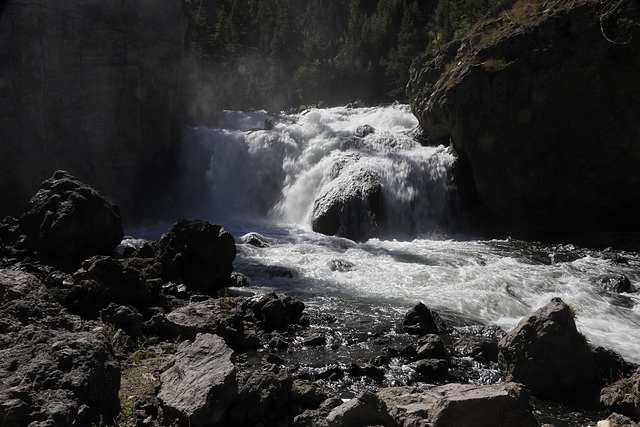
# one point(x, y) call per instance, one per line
point(543, 112)
point(54, 369)
point(546, 353)
point(88, 86)
point(69, 220)
point(623, 396)
point(200, 382)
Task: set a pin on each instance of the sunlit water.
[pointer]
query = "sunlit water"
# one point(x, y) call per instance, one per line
point(266, 181)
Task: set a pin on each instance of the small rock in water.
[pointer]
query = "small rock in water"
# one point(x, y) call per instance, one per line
point(617, 284)
point(364, 130)
point(255, 239)
point(422, 321)
point(341, 265)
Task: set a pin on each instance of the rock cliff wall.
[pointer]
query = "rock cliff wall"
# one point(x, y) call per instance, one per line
point(87, 86)
point(543, 108)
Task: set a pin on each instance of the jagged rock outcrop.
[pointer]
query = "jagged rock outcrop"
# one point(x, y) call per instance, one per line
point(88, 86)
point(69, 220)
point(541, 106)
point(546, 353)
point(54, 368)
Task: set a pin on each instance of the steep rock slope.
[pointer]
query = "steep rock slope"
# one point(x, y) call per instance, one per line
point(87, 86)
point(543, 107)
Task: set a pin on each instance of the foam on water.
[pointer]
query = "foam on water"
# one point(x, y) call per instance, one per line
point(267, 181)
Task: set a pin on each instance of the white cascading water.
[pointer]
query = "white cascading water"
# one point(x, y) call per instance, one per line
point(266, 181)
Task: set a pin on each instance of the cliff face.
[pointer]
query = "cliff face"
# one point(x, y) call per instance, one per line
point(87, 86)
point(543, 108)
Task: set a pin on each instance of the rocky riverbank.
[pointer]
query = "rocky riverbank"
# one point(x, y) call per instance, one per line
point(97, 329)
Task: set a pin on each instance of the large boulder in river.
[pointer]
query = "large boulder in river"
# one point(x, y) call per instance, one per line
point(351, 206)
point(548, 354)
point(197, 252)
point(89, 86)
point(541, 105)
point(54, 369)
point(69, 220)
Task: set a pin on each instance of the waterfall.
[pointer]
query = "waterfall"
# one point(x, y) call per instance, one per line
point(277, 174)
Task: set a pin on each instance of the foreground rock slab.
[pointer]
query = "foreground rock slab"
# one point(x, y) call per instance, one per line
point(448, 405)
point(198, 385)
point(548, 354)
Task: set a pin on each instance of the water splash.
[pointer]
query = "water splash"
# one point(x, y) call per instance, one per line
point(278, 173)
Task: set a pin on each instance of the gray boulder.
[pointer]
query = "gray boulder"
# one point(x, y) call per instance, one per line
point(199, 383)
point(547, 354)
point(54, 369)
point(68, 219)
point(197, 252)
point(351, 206)
point(500, 405)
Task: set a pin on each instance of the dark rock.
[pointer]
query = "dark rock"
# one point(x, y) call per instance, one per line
point(222, 316)
point(430, 347)
point(273, 271)
point(54, 369)
point(617, 420)
point(197, 252)
point(499, 405)
point(307, 394)
point(364, 130)
point(364, 410)
point(479, 349)
point(547, 354)
point(341, 265)
point(611, 365)
point(276, 313)
point(433, 369)
point(259, 393)
point(103, 280)
point(317, 417)
point(255, 239)
point(199, 383)
point(314, 338)
point(126, 318)
point(69, 220)
point(351, 206)
point(511, 98)
point(617, 284)
point(623, 396)
point(420, 320)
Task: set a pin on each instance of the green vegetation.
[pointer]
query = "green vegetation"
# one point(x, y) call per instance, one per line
point(283, 53)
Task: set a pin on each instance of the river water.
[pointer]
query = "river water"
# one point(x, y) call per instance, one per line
point(252, 180)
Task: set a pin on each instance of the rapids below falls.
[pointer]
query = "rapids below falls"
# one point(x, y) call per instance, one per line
point(252, 180)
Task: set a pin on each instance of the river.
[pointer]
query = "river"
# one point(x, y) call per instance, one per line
point(252, 180)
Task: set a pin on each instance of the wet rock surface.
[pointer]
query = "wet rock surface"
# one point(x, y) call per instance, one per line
point(351, 207)
point(547, 354)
